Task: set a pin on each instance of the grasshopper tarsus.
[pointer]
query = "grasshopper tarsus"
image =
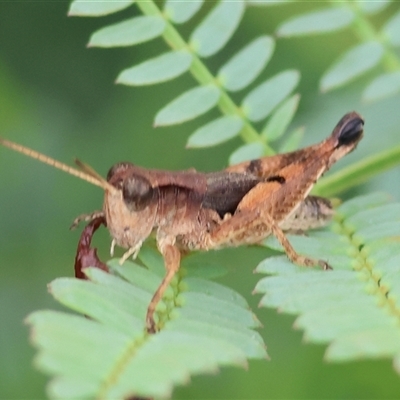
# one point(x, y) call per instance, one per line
point(324, 265)
point(151, 326)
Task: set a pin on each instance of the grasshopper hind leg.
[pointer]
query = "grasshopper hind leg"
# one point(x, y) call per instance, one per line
point(290, 251)
point(232, 232)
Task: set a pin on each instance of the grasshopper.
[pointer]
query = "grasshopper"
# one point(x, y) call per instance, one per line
point(190, 210)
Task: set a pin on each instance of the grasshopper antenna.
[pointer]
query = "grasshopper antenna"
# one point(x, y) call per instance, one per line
point(87, 169)
point(88, 174)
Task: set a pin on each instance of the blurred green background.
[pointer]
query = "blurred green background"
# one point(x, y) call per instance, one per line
point(58, 97)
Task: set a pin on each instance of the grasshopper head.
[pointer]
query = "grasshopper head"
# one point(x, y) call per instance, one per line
point(129, 210)
point(137, 191)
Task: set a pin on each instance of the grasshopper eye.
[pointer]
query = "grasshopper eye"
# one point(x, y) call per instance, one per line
point(351, 131)
point(137, 192)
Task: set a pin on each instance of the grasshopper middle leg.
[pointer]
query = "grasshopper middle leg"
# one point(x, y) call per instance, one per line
point(172, 258)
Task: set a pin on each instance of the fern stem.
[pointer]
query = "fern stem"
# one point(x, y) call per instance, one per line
point(203, 75)
point(358, 173)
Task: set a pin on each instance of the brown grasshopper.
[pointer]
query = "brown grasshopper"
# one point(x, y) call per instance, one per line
point(189, 210)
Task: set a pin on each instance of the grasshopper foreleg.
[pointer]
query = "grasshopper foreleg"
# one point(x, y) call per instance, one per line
point(87, 218)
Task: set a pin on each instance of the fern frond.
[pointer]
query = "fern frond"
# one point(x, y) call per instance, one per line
point(354, 308)
point(207, 38)
point(205, 326)
point(377, 46)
